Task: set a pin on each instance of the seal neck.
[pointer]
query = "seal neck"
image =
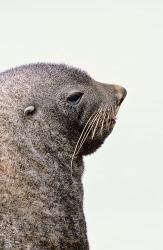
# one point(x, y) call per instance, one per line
point(55, 153)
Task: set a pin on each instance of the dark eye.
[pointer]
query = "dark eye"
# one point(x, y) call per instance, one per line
point(74, 98)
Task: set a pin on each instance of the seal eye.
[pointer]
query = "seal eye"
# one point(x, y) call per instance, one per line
point(74, 98)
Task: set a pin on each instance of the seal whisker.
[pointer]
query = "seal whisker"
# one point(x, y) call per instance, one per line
point(82, 133)
point(96, 125)
point(87, 131)
point(108, 117)
point(111, 115)
point(114, 110)
point(104, 117)
point(101, 118)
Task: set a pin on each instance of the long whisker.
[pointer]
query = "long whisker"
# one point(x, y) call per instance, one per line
point(81, 136)
point(87, 132)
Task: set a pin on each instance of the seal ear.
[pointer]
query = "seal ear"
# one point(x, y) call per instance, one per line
point(28, 110)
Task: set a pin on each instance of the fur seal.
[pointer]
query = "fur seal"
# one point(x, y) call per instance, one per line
point(51, 116)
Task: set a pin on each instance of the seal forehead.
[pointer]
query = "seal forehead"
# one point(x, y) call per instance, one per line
point(75, 73)
point(60, 71)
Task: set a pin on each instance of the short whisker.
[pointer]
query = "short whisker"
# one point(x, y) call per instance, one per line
point(96, 125)
point(104, 118)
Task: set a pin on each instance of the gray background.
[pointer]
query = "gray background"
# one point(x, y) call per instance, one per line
point(116, 42)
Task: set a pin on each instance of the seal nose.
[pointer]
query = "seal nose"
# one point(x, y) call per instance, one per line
point(120, 93)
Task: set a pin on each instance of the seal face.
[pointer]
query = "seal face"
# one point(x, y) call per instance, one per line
point(51, 116)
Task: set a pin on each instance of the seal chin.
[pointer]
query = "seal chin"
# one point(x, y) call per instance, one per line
point(91, 145)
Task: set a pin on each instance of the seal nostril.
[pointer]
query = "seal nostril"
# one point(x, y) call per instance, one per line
point(124, 93)
point(120, 94)
point(121, 100)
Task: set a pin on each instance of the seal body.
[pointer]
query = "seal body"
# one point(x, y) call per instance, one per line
point(51, 115)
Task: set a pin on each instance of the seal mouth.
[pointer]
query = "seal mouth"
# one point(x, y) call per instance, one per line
point(113, 120)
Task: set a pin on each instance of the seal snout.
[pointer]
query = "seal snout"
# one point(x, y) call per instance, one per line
point(120, 94)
